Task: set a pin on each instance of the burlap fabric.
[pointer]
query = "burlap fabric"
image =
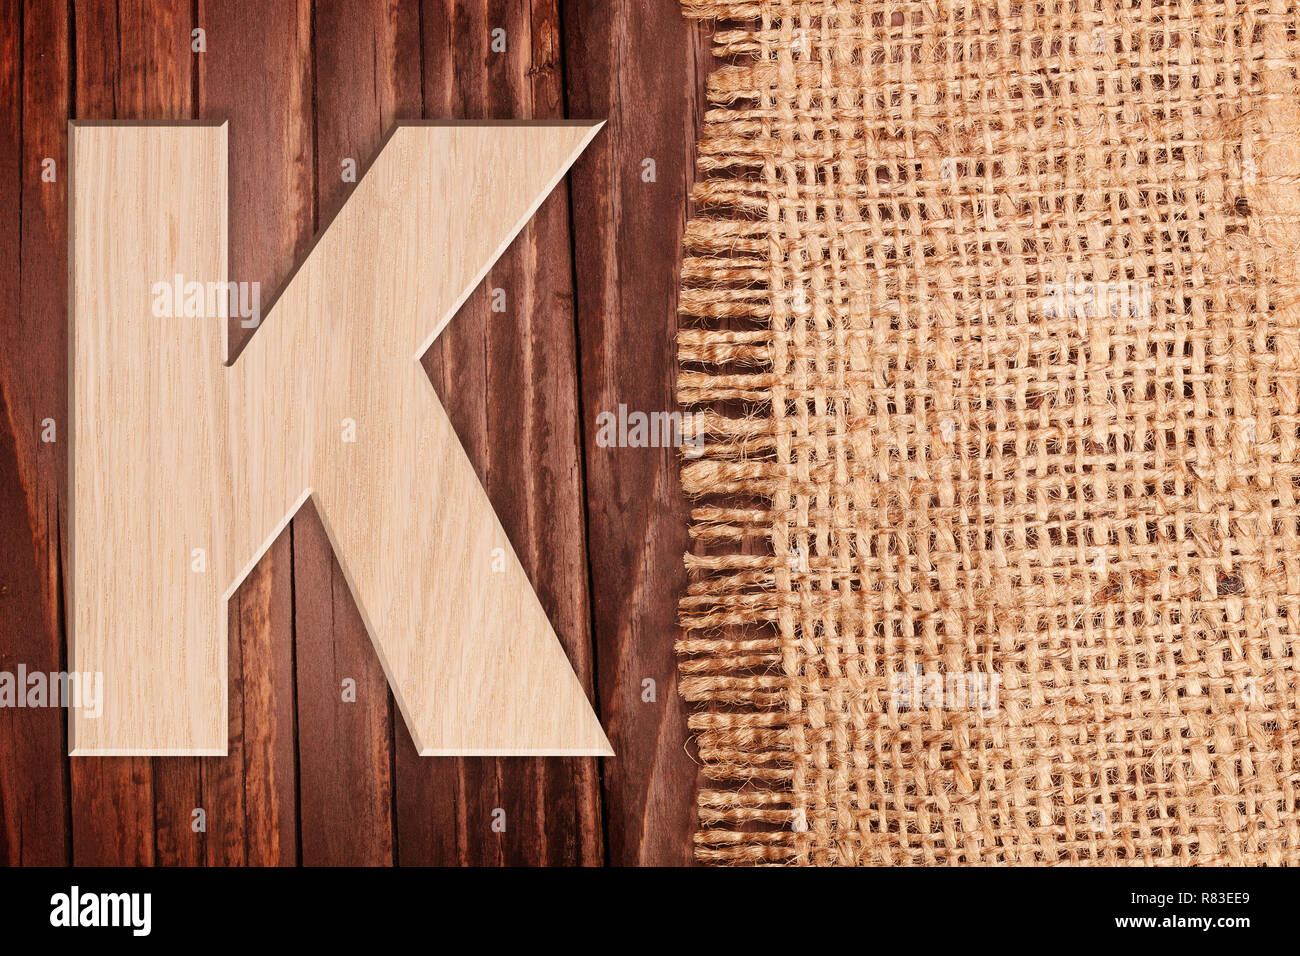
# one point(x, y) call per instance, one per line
point(990, 318)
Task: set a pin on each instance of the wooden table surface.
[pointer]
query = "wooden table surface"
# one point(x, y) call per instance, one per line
point(591, 290)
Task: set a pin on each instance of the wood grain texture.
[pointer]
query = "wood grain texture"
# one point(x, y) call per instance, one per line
point(302, 85)
point(366, 72)
point(33, 783)
point(149, 444)
point(200, 466)
point(252, 794)
point(128, 61)
point(627, 262)
point(551, 804)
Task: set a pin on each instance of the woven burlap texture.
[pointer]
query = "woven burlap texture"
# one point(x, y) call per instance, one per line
point(989, 323)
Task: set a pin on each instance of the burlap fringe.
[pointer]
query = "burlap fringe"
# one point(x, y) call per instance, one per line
point(989, 322)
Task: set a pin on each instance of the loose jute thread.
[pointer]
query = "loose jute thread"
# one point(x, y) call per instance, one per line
point(989, 320)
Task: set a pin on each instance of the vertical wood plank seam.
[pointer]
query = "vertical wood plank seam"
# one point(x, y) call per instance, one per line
point(65, 760)
point(237, 602)
point(117, 73)
point(293, 556)
point(419, 27)
point(22, 157)
point(390, 701)
point(593, 636)
point(64, 577)
point(393, 720)
point(194, 60)
point(293, 663)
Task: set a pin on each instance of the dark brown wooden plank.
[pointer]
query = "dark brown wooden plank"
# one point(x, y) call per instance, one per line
point(344, 749)
point(639, 64)
point(251, 794)
point(133, 62)
point(33, 781)
point(367, 72)
point(508, 381)
point(264, 784)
